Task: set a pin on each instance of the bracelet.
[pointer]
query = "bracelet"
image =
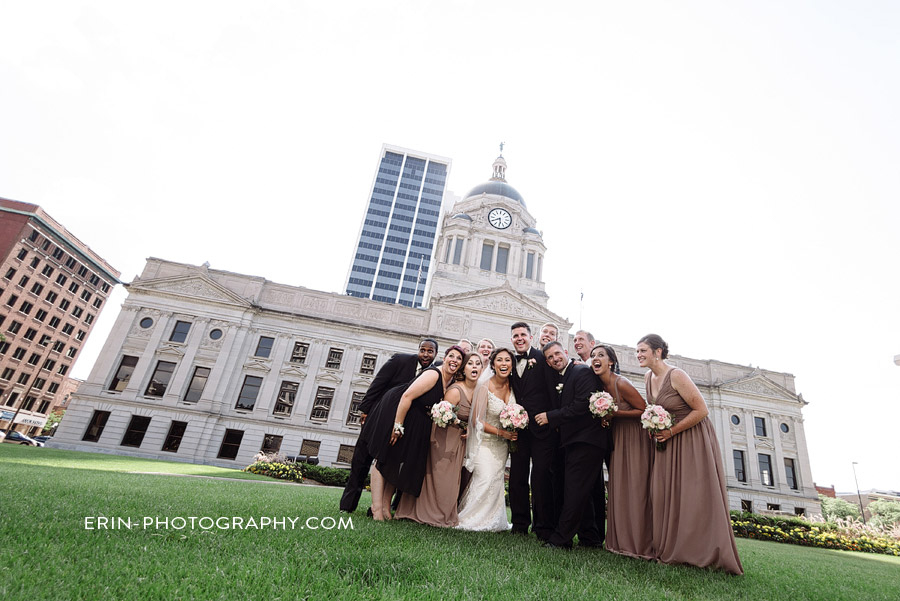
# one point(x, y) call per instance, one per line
point(398, 428)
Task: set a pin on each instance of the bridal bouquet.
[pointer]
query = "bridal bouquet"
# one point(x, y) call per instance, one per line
point(443, 414)
point(513, 417)
point(656, 418)
point(602, 404)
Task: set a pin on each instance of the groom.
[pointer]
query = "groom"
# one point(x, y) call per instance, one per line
point(585, 442)
point(537, 445)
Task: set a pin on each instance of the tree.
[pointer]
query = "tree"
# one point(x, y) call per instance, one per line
point(838, 508)
point(884, 512)
point(53, 420)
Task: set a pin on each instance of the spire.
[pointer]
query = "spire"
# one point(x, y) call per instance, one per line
point(499, 167)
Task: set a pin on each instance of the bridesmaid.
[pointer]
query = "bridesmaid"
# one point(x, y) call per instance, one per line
point(688, 501)
point(628, 526)
point(436, 504)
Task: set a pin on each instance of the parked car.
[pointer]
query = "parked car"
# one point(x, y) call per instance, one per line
point(19, 438)
point(42, 438)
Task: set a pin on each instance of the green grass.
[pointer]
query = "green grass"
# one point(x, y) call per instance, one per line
point(46, 553)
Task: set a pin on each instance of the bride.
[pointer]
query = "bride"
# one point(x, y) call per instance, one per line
point(483, 506)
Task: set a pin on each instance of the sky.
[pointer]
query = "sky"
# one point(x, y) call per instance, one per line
point(723, 174)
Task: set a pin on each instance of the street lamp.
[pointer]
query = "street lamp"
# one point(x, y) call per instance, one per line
point(859, 496)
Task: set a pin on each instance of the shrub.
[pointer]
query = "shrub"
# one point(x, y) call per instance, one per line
point(331, 476)
point(837, 508)
point(275, 469)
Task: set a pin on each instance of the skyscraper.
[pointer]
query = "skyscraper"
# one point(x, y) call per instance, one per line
point(397, 234)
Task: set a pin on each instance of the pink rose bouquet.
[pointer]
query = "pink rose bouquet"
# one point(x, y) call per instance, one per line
point(656, 418)
point(602, 404)
point(513, 417)
point(443, 414)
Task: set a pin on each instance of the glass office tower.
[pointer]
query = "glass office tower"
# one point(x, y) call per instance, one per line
point(397, 236)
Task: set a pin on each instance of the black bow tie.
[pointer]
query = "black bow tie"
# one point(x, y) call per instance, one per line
point(522, 356)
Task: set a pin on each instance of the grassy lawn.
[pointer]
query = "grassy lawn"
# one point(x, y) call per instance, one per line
point(46, 552)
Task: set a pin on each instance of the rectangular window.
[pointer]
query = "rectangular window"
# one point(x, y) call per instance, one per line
point(773, 507)
point(457, 251)
point(790, 474)
point(322, 404)
point(249, 391)
point(51, 297)
point(760, 425)
point(68, 329)
point(82, 271)
point(447, 254)
point(23, 281)
point(77, 311)
point(264, 346)
point(173, 438)
point(44, 407)
point(198, 383)
point(487, 255)
point(160, 379)
point(54, 386)
point(45, 340)
point(368, 364)
point(54, 321)
point(86, 295)
point(64, 304)
point(4, 346)
point(58, 253)
point(354, 416)
point(799, 511)
point(71, 352)
point(8, 373)
point(747, 505)
point(39, 383)
point(37, 289)
point(80, 335)
point(28, 405)
point(22, 254)
point(34, 359)
point(59, 346)
point(137, 428)
point(49, 364)
point(12, 300)
point(529, 266)
point(97, 302)
point(41, 315)
point(71, 262)
point(63, 369)
point(298, 355)
point(23, 378)
point(19, 353)
point(95, 427)
point(765, 470)
point(26, 307)
point(34, 236)
point(47, 270)
point(284, 404)
point(502, 258)
point(61, 279)
point(180, 331)
point(14, 327)
point(271, 444)
point(89, 319)
point(231, 443)
point(345, 453)
point(739, 472)
point(335, 355)
point(94, 279)
point(10, 274)
point(30, 333)
point(45, 245)
point(310, 448)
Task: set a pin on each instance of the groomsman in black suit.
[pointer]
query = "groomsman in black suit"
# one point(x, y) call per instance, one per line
point(537, 445)
point(402, 368)
point(585, 441)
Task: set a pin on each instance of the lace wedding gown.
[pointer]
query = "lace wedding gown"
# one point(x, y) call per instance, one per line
point(483, 505)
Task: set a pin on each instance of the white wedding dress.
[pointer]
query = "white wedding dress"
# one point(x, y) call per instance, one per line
point(483, 505)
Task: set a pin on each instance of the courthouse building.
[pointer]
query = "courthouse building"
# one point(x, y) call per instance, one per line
point(209, 366)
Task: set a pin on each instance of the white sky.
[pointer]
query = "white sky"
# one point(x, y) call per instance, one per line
point(723, 174)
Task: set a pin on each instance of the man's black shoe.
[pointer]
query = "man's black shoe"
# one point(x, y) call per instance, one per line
point(550, 545)
point(523, 531)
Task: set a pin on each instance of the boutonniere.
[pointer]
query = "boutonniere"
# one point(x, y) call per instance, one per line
point(559, 388)
point(530, 363)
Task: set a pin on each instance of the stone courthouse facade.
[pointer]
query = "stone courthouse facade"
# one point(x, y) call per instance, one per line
point(209, 366)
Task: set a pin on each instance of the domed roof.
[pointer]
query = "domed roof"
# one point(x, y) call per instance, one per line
point(498, 188)
point(531, 230)
point(462, 216)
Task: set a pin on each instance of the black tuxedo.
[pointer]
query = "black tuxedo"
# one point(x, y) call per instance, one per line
point(399, 369)
point(537, 452)
point(585, 441)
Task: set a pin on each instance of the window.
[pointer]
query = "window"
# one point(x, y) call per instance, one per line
point(82, 271)
point(28, 405)
point(298, 355)
point(10, 274)
point(310, 448)
point(98, 302)
point(345, 453)
point(86, 295)
point(4, 346)
point(51, 297)
point(94, 279)
point(334, 358)
point(773, 507)
point(12, 300)
point(47, 270)
point(249, 391)
point(73, 287)
point(799, 511)
point(368, 364)
point(529, 266)
point(30, 333)
point(760, 425)
point(44, 407)
point(37, 289)
point(45, 340)
point(104, 287)
point(80, 335)
point(77, 311)
point(173, 438)
point(198, 383)
point(41, 315)
point(26, 307)
point(765, 470)
point(784, 428)
point(231, 442)
point(11, 401)
point(88, 319)
point(71, 352)
point(790, 474)
point(180, 331)
point(264, 346)
point(14, 327)
point(487, 255)
point(58, 253)
point(34, 236)
point(146, 322)
point(159, 381)
point(63, 369)
point(34, 359)
point(54, 386)
point(7, 374)
point(284, 404)
point(61, 279)
point(322, 404)
point(137, 428)
point(271, 444)
point(64, 304)
point(457, 251)
point(71, 262)
point(747, 505)
point(95, 427)
point(739, 466)
point(23, 378)
point(215, 334)
point(502, 258)
point(354, 416)
point(54, 321)
point(19, 353)
point(49, 364)
point(68, 329)
point(39, 384)
point(123, 374)
point(45, 245)
point(59, 346)
point(23, 281)
point(22, 254)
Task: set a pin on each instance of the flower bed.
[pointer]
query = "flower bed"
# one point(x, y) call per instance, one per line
point(274, 469)
point(799, 532)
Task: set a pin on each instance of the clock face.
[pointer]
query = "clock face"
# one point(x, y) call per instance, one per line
point(500, 218)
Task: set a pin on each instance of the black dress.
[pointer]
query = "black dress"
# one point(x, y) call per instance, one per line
point(404, 463)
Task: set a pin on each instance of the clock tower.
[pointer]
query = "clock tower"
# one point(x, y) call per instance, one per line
point(488, 239)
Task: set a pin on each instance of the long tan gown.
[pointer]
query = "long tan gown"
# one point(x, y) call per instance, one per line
point(688, 500)
point(629, 528)
point(436, 504)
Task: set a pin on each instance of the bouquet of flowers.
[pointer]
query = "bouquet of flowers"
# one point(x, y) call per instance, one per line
point(602, 404)
point(656, 418)
point(443, 414)
point(513, 417)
